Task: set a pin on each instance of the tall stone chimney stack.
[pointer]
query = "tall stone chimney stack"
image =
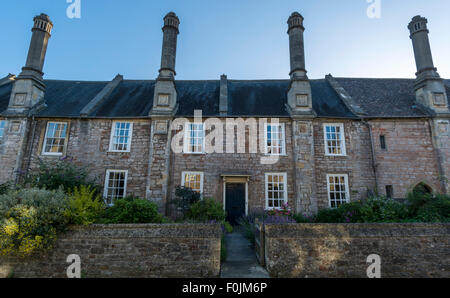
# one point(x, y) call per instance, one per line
point(42, 30)
point(296, 46)
point(165, 97)
point(29, 86)
point(169, 48)
point(299, 94)
point(429, 87)
point(431, 93)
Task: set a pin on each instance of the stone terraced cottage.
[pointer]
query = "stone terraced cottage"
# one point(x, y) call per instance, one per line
point(312, 143)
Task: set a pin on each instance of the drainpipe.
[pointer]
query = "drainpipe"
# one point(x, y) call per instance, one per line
point(374, 159)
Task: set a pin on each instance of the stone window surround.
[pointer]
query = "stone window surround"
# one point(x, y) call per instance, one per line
point(342, 138)
point(187, 139)
point(183, 178)
point(283, 139)
point(346, 184)
point(44, 139)
point(2, 129)
point(130, 137)
point(106, 187)
point(266, 187)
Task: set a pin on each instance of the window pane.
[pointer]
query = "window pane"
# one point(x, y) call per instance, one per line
point(338, 194)
point(55, 137)
point(275, 139)
point(275, 190)
point(121, 136)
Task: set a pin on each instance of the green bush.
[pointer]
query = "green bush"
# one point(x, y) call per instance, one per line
point(85, 207)
point(185, 197)
point(428, 208)
point(5, 187)
point(223, 249)
point(60, 173)
point(132, 210)
point(421, 207)
point(30, 220)
point(228, 227)
point(206, 210)
point(383, 210)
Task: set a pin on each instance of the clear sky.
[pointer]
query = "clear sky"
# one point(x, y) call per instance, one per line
point(245, 39)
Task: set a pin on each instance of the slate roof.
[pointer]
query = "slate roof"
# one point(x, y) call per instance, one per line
point(390, 98)
point(68, 98)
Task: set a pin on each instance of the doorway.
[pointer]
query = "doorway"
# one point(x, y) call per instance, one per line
point(235, 202)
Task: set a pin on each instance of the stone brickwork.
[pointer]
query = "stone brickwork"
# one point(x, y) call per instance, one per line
point(154, 170)
point(12, 147)
point(341, 250)
point(409, 157)
point(215, 164)
point(441, 128)
point(304, 163)
point(159, 163)
point(125, 251)
point(357, 164)
point(88, 145)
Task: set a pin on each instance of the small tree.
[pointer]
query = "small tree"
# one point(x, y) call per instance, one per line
point(185, 198)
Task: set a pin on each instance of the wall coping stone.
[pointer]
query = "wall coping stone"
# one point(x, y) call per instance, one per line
point(146, 231)
point(366, 230)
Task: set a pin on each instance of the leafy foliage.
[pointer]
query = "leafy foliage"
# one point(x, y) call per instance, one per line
point(60, 173)
point(5, 187)
point(185, 197)
point(85, 207)
point(30, 220)
point(206, 210)
point(132, 210)
point(429, 208)
point(421, 207)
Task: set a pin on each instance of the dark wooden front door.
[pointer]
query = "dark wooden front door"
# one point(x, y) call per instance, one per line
point(235, 202)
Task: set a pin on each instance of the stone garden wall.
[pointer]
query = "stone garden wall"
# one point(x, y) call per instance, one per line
point(128, 251)
point(341, 250)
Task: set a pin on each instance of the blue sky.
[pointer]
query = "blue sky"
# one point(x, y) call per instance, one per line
point(245, 39)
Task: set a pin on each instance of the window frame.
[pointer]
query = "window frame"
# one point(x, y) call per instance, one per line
point(202, 177)
point(283, 140)
point(44, 143)
point(383, 143)
point(266, 189)
point(347, 189)
point(389, 191)
point(2, 129)
point(187, 138)
point(113, 131)
point(106, 186)
point(342, 135)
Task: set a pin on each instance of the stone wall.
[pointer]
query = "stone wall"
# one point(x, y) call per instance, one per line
point(215, 164)
point(357, 163)
point(409, 157)
point(12, 147)
point(125, 251)
point(341, 250)
point(88, 145)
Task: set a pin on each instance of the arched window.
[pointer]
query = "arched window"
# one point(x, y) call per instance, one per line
point(423, 188)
